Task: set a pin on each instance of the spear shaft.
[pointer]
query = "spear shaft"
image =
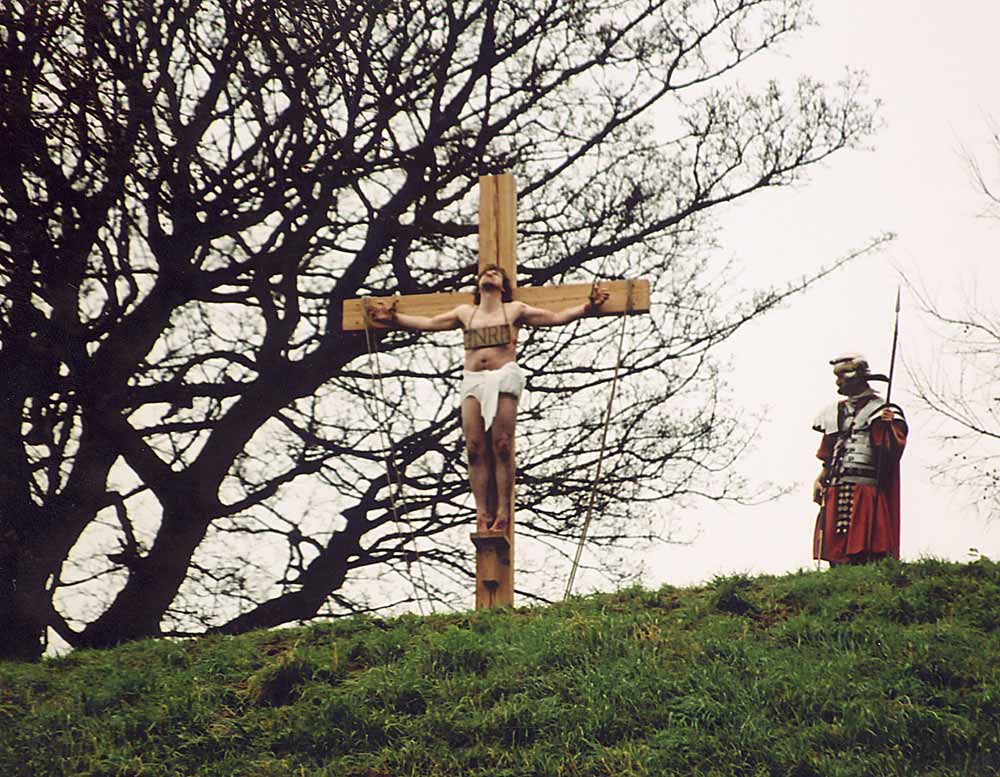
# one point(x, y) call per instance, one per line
point(892, 358)
point(881, 450)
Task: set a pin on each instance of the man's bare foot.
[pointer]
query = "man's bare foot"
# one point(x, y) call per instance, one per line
point(483, 522)
point(500, 524)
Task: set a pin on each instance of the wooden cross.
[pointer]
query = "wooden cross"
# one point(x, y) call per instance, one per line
point(498, 245)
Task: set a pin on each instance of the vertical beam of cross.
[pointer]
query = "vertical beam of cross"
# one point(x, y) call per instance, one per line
point(497, 245)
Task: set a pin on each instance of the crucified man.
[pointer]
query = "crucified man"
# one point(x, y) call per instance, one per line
point(492, 381)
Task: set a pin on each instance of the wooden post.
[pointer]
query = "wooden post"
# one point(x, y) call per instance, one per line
point(498, 223)
point(497, 245)
point(494, 569)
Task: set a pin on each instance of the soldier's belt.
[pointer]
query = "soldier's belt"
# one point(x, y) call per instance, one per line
point(862, 475)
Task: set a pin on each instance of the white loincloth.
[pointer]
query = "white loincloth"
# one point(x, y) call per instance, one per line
point(487, 385)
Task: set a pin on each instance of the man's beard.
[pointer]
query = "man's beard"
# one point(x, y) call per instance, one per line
point(854, 388)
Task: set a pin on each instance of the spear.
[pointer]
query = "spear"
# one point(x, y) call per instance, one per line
point(892, 358)
point(881, 456)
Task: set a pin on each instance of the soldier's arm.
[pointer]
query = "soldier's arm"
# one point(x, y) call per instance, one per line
point(819, 485)
point(889, 430)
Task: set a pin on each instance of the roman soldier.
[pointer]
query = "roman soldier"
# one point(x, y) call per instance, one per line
point(858, 485)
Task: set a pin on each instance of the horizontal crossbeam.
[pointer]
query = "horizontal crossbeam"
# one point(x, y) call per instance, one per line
point(626, 298)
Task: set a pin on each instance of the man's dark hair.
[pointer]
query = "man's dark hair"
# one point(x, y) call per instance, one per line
point(506, 291)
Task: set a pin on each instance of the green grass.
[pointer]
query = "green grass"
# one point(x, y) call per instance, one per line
point(892, 669)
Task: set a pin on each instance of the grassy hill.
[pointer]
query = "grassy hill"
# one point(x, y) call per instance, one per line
point(892, 669)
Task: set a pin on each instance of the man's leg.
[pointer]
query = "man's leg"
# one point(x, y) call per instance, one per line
point(502, 443)
point(480, 460)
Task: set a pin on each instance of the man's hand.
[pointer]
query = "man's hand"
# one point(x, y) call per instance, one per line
point(818, 491)
point(381, 314)
point(887, 415)
point(598, 296)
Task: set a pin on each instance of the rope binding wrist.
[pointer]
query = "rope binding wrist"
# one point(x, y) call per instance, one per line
point(591, 299)
point(366, 307)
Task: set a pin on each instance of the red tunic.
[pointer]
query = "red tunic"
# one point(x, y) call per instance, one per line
point(888, 442)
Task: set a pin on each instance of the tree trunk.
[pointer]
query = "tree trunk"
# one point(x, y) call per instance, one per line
point(152, 584)
point(22, 627)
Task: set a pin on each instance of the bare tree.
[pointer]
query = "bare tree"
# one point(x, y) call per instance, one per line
point(985, 182)
point(959, 382)
point(961, 386)
point(191, 188)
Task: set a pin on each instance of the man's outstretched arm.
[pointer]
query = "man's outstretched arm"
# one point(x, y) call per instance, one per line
point(386, 315)
point(533, 316)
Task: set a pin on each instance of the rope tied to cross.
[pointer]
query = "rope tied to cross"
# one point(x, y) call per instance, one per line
point(394, 477)
point(595, 483)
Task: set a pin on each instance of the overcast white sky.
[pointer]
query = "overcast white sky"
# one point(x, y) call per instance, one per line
point(935, 67)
